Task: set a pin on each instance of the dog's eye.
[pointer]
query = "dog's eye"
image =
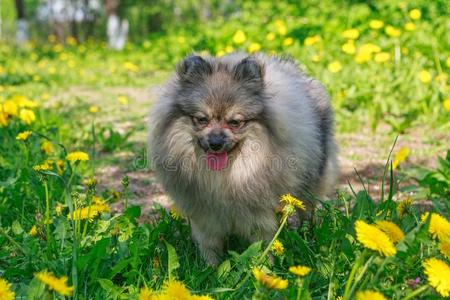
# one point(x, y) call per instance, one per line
point(235, 123)
point(202, 120)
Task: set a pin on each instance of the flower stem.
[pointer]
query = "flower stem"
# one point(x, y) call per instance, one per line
point(416, 292)
point(47, 220)
point(352, 275)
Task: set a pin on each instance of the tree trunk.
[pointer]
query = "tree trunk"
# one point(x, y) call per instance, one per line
point(117, 30)
point(21, 23)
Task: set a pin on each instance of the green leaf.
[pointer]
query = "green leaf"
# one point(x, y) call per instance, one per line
point(172, 260)
point(17, 228)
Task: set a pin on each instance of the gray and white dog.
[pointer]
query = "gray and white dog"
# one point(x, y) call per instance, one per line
point(229, 135)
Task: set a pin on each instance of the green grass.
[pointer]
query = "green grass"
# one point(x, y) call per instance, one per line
point(117, 253)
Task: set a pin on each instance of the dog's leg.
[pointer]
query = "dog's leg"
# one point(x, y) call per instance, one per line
point(209, 243)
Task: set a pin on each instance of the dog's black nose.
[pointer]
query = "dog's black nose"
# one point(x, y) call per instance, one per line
point(216, 141)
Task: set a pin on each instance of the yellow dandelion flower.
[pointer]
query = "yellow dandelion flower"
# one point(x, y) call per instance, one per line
point(10, 108)
point(5, 290)
point(349, 47)
point(122, 99)
point(410, 26)
point(392, 230)
point(439, 227)
point(311, 40)
point(376, 24)
point(403, 207)
point(415, 14)
point(146, 294)
point(88, 213)
point(239, 37)
point(174, 289)
point(220, 53)
point(315, 58)
point(300, 270)
point(23, 136)
point(425, 76)
point(335, 66)
point(400, 157)
point(271, 282)
point(363, 57)
point(370, 295)
point(291, 200)
point(47, 147)
point(23, 101)
point(277, 248)
point(446, 104)
point(288, 41)
point(3, 119)
point(27, 116)
point(58, 209)
point(392, 31)
point(352, 34)
point(229, 49)
point(254, 47)
point(438, 274)
point(130, 67)
point(77, 156)
point(281, 27)
point(33, 231)
point(93, 109)
point(42, 167)
point(382, 57)
point(373, 238)
point(369, 48)
point(270, 36)
point(444, 248)
point(59, 285)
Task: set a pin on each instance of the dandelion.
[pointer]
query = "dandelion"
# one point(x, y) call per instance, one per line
point(315, 58)
point(351, 34)
point(129, 66)
point(281, 27)
point(271, 282)
point(23, 136)
point(77, 156)
point(373, 238)
point(239, 37)
point(335, 66)
point(439, 227)
point(5, 290)
point(27, 116)
point(10, 108)
point(444, 248)
point(291, 200)
point(392, 230)
point(122, 99)
point(425, 76)
point(410, 26)
point(58, 209)
point(288, 41)
point(47, 147)
point(146, 294)
point(59, 285)
point(277, 248)
point(3, 119)
point(400, 157)
point(438, 274)
point(369, 48)
point(300, 270)
point(23, 101)
point(349, 47)
point(42, 167)
point(370, 295)
point(220, 53)
point(270, 36)
point(446, 104)
point(33, 231)
point(403, 207)
point(93, 109)
point(392, 31)
point(376, 24)
point(254, 47)
point(415, 14)
point(382, 57)
point(311, 40)
point(174, 289)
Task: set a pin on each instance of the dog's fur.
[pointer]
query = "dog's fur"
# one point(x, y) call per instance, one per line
point(286, 146)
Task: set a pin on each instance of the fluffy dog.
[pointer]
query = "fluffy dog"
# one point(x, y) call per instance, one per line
point(229, 135)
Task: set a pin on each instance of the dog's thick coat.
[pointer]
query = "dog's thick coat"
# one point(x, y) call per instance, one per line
point(286, 146)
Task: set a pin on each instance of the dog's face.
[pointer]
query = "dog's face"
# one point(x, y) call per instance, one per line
point(221, 103)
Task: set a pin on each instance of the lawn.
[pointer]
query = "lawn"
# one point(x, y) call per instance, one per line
point(82, 215)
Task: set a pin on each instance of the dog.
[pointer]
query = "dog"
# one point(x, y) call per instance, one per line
point(229, 135)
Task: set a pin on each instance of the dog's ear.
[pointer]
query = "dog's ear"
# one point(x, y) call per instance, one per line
point(249, 69)
point(193, 68)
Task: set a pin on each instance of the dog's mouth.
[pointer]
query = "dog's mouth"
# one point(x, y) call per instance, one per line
point(217, 161)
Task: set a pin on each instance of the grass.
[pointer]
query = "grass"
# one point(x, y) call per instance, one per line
point(87, 98)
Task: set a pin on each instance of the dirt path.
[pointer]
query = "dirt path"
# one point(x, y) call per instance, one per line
point(364, 151)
